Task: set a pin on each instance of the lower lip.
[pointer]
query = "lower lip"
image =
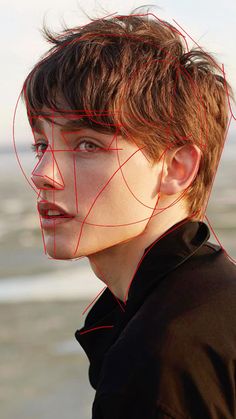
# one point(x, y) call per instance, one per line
point(51, 223)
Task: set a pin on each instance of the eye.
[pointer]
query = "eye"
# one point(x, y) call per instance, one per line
point(38, 149)
point(88, 146)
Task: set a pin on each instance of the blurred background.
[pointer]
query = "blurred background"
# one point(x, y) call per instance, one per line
point(43, 370)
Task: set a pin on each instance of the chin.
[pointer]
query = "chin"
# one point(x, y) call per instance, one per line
point(58, 254)
point(61, 251)
point(65, 247)
point(65, 252)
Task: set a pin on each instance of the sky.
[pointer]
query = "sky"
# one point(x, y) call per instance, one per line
point(210, 23)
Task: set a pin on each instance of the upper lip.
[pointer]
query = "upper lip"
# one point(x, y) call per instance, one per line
point(43, 208)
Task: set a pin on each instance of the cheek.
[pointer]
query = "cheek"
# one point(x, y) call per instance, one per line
point(88, 185)
point(91, 183)
point(115, 196)
point(140, 179)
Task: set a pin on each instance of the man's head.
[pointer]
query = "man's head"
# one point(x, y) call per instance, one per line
point(160, 109)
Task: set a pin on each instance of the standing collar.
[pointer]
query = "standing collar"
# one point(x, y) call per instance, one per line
point(166, 253)
point(109, 314)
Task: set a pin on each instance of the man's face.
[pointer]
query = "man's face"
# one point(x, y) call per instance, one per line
point(106, 182)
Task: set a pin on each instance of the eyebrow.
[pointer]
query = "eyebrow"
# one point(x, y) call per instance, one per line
point(69, 125)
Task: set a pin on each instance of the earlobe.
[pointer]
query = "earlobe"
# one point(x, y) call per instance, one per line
point(181, 168)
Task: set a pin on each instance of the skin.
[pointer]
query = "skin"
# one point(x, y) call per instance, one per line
point(114, 231)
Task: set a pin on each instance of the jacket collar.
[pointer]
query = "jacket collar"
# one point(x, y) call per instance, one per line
point(166, 253)
point(109, 315)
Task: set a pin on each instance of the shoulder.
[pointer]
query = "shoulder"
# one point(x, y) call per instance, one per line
point(211, 262)
point(196, 360)
point(206, 280)
point(195, 307)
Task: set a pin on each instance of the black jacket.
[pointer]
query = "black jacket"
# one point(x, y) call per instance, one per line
point(170, 351)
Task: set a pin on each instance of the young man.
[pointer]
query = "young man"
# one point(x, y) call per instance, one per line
point(153, 116)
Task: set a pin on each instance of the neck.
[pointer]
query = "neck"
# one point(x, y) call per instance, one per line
point(116, 265)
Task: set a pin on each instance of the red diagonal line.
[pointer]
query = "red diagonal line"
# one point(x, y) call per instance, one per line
point(94, 300)
point(95, 328)
point(196, 43)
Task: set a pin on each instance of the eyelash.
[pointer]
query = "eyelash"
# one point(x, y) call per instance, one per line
point(35, 146)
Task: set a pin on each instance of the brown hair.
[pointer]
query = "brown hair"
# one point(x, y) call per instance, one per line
point(137, 73)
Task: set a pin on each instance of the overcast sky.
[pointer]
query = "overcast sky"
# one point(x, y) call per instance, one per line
point(211, 23)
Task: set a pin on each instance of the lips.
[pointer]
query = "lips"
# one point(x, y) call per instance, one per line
point(44, 209)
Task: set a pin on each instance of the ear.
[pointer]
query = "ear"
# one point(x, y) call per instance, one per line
point(180, 168)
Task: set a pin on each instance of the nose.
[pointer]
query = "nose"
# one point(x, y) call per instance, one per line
point(46, 175)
